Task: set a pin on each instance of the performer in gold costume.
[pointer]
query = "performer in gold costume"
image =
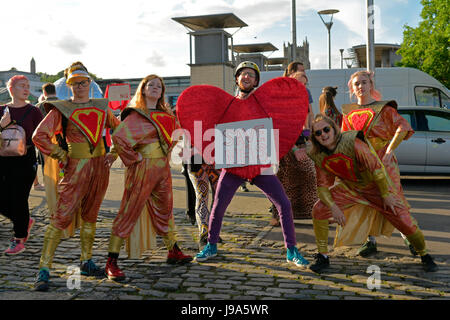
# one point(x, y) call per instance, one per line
point(362, 181)
point(85, 166)
point(384, 128)
point(143, 141)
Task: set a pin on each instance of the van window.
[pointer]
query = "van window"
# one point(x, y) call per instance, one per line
point(429, 96)
point(437, 121)
point(410, 117)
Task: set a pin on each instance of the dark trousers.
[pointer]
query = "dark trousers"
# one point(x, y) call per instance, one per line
point(190, 196)
point(16, 179)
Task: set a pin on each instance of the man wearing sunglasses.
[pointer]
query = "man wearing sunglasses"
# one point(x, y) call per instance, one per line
point(84, 168)
point(362, 180)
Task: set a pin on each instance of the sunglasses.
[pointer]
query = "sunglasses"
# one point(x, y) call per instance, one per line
point(318, 133)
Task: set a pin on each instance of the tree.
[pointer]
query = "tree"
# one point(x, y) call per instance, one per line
point(427, 47)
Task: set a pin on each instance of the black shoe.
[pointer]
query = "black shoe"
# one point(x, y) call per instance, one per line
point(244, 189)
point(367, 249)
point(428, 264)
point(89, 269)
point(320, 263)
point(41, 283)
point(191, 217)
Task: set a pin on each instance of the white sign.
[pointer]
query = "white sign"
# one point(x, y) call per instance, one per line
point(244, 143)
point(119, 92)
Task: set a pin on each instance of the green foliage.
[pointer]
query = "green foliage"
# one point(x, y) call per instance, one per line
point(427, 47)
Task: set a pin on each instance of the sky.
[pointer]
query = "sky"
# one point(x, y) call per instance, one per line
point(134, 38)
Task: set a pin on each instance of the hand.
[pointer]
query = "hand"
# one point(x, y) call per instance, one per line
point(338, 215)
point(391, 202)
point(109, 160)
point(140, 157)
point(299, 154)
point(6, 119)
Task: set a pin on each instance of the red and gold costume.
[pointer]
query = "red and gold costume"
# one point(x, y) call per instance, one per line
point(380, 123)
point(147, 202)
point(362, 184)
point(86, 175)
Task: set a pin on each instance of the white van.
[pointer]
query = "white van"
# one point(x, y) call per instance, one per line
point(407, 86)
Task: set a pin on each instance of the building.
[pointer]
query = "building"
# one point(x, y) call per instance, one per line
point(35, 82)
point(385, 55)
point(301, 54)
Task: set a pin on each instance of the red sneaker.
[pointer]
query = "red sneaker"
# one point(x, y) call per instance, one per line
point(15, 247)
point(176, 256)
point(113, 271)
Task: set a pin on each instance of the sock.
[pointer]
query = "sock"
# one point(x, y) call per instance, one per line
point(113, 255)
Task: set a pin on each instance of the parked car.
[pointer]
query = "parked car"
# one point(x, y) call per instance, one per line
point(427, 151)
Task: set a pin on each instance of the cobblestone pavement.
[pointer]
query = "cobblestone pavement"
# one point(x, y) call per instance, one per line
point(248, 266)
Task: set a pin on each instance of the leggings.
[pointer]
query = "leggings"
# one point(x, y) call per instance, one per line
point(269, 185)
point(16, 179)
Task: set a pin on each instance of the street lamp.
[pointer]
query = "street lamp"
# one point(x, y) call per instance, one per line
point(342, 51)
point(348, 62)
point(328, 25)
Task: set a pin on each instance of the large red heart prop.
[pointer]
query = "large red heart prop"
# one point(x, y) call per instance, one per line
point(283, 99)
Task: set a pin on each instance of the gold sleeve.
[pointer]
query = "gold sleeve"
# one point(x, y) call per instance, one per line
point(324, 195)
point(397, 139)
point(381, 181)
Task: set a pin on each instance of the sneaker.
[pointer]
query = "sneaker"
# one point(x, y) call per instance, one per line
point(41, 283)
point(209, 251)
point(113, 271)
point(30, 225)
point(175, 256)
point(367, 249)
point(39, 187)
point(16, 246)
point(191, 217)
point(320, 263)
point(244, 188)
point(428, 263)
point(295, 257)
point(88, 268)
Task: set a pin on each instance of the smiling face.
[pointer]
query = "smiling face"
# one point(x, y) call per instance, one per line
point(324, 134)
point(20, 90)
point(247, 79)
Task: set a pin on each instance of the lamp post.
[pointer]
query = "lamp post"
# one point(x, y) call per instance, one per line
point(342, 65)
point(348, 62)
point(328, 25)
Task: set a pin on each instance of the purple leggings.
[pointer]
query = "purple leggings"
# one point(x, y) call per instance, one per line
point(269, 185)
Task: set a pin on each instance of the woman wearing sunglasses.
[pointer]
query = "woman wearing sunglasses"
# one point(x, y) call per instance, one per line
point(384, 128)
point(362, 186)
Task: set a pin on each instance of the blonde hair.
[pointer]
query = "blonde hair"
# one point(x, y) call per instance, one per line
point(316, 147)
point(138, 100)
point(373, 92)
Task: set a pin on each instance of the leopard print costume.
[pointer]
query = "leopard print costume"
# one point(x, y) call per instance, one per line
point(299, 181)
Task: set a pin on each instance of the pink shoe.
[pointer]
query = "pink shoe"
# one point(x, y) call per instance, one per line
point(30, 225)
point(15, 247)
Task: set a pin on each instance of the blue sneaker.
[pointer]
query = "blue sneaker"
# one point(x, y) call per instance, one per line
point(295, 257)
point(88, 268)
point(209, 251)
point(41, 283)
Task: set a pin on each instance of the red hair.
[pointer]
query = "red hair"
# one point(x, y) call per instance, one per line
point(13, 80)
point(373, 92)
